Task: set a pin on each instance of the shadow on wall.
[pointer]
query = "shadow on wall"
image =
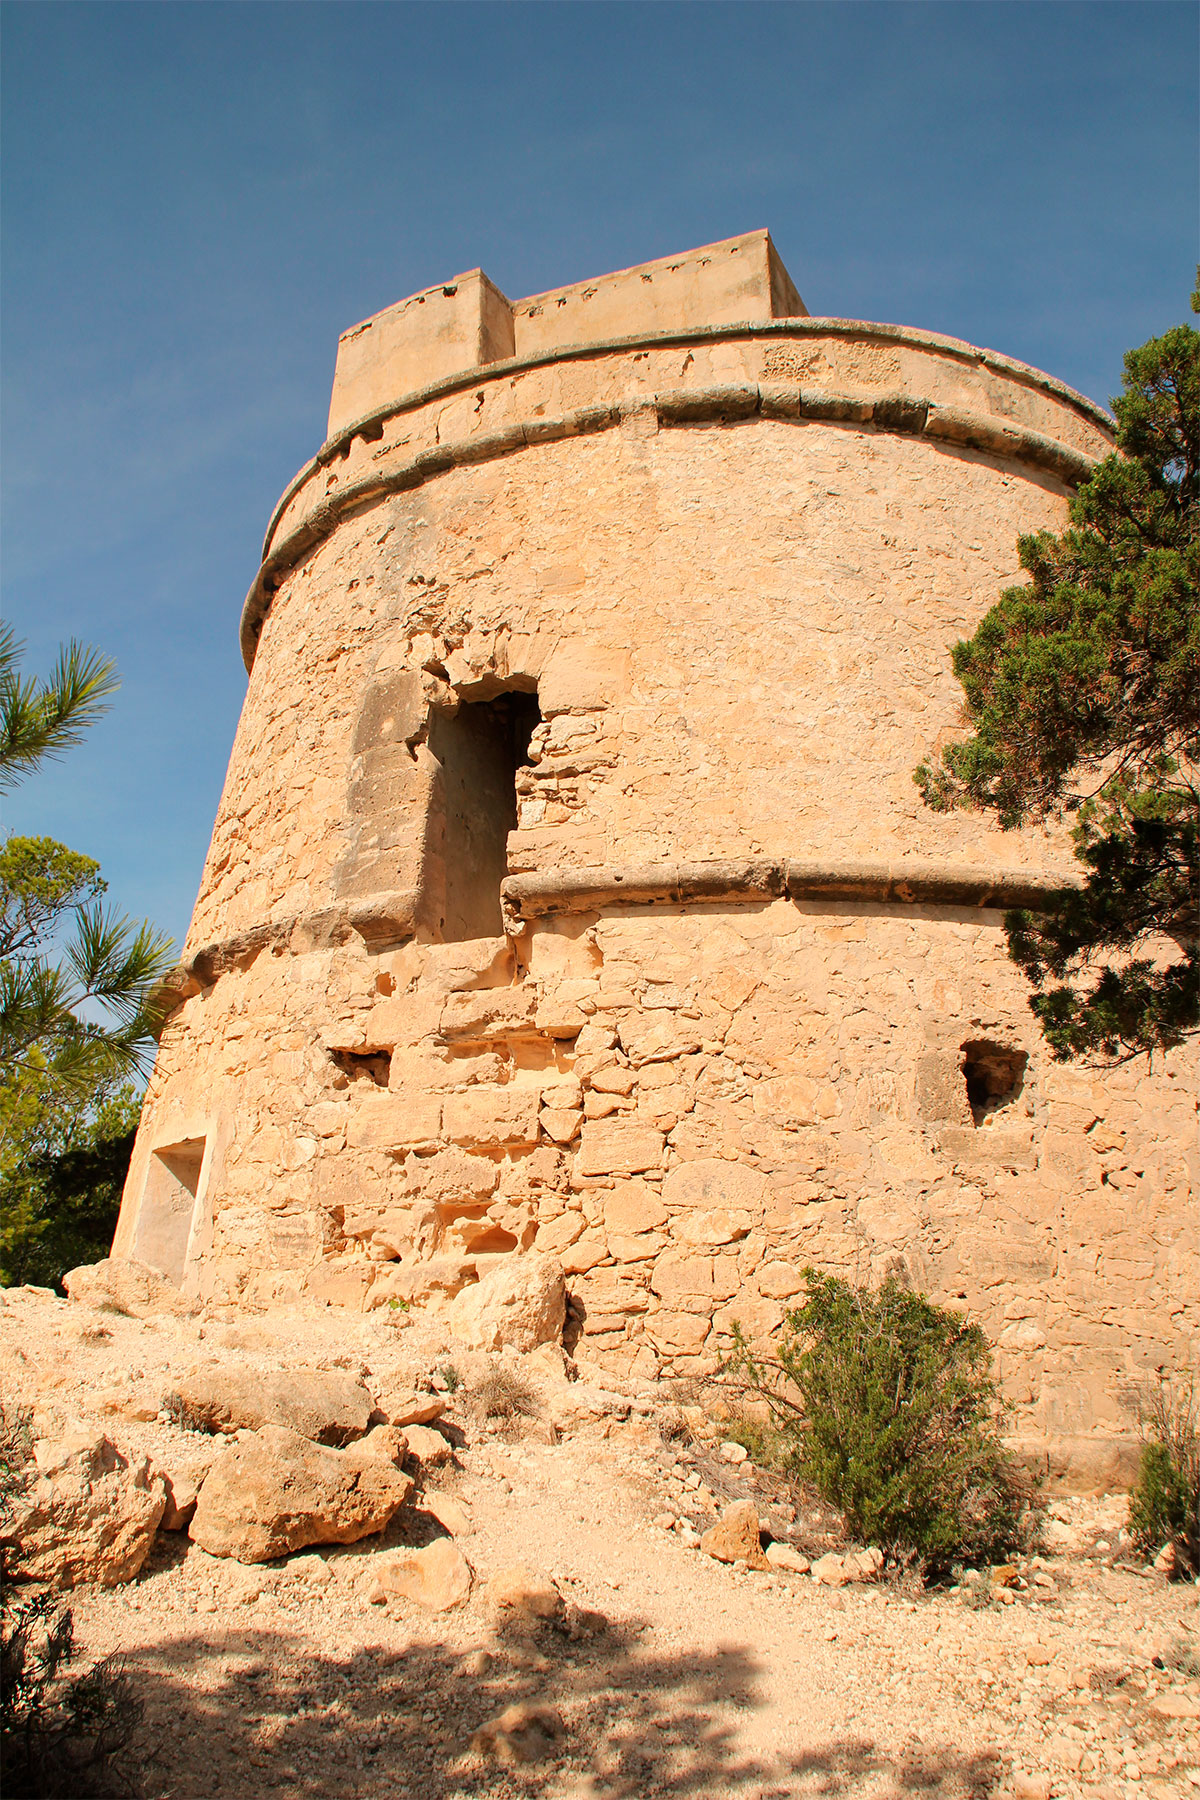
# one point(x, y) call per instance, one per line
point(252, 1713)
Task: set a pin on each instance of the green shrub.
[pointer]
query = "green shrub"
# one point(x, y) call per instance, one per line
point(60, 1736)
point(890, 1411)
point(1164, 1507)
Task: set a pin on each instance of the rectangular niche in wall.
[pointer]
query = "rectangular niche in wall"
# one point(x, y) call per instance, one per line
point(480, 748)
point(168, 1202)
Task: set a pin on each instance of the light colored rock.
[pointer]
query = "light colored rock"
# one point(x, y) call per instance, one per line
point(274, 1491)
point(712, 1185)
point(182, 1486)
point(618, 1147)
point(428, 1447)
point(782, 1556)
point(322, 1404)
point(437, 1577)
point(522, 1733)
point(1175, 1706)
point(521, 1302)
point(854, 1565)
point(416, 1409)
point(524, 1591)
point(735, 1537)
point(87, 1513)
point(387, 1443)
point(633, 1207)
point(733, 1453)
point(310, 1567)
point(120, 1284)
point(451, 1513)
point(831, 1571)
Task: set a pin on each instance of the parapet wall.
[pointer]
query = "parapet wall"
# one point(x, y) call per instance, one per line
point(466, 323)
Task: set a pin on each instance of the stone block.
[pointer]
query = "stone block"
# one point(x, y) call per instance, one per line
point(395, 1122)
point(613, 1147)
point(632, 1207)
point(492, 1116)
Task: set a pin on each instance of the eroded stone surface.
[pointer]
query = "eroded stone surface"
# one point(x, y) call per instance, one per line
point(87, 1512)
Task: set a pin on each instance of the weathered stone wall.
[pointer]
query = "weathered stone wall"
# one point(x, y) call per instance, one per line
point(744, 988)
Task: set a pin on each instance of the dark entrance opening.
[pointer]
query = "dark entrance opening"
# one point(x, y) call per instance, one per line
point(994, 1076)
point(480, 748)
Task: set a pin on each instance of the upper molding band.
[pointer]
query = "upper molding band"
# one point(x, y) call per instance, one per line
point(889, 412)
point(385, 919)
point(371, 424)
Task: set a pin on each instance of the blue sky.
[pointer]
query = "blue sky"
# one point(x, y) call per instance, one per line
point(199, 197)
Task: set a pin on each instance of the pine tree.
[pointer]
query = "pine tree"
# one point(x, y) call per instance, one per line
point(1082, 686)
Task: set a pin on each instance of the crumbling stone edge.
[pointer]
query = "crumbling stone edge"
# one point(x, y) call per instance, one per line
point(953, 427)
point(386, 920)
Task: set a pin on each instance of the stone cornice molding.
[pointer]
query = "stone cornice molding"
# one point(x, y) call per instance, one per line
point(369, 426)
point(952, 428)
point(385, 920)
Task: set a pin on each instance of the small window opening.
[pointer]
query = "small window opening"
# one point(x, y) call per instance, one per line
point(168, 1202)
point(361, 1065)
point(481, 748)
point(994, 1076)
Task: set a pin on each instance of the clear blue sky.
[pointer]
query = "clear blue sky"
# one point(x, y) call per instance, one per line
point(199, 197)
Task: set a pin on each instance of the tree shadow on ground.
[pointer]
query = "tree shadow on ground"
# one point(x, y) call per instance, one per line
point(255, 1713)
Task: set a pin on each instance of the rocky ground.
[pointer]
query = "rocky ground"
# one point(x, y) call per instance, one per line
point(598, 1651)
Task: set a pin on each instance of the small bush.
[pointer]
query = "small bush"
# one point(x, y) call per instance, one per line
point(187, 1417)
point(60, 1737)
point(1164, 1507)
point(504, 1395)
point(451, 1378)
point(887, 1406)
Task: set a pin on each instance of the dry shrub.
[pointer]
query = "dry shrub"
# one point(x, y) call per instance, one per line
point(504, 1395)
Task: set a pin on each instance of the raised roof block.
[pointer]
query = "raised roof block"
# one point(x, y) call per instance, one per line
point(468, 322)
point(458, 325)
point(719, 284)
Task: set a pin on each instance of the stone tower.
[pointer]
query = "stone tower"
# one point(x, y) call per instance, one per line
point(570, 890)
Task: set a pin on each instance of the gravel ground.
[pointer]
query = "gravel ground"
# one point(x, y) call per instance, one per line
point(673, 1675)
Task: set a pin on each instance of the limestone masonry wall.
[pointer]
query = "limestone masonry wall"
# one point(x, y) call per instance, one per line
point(570, 892)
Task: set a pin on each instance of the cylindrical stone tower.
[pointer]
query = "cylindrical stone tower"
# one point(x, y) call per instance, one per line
point(570, 891)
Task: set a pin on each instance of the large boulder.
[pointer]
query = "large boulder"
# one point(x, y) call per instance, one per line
point(322, 1404)
point(86, 1513)
point(119, 1284)
point(521, 1302)
point(275, 1491)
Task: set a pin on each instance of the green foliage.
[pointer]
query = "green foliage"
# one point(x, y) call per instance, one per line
point(39, 720)
point(78, 1003)
point(1082, 686)
point(64, 958)
point(890, 1411)
point(62, 1168)
point(1164, 1507)
point(764, 1443)
point(60, 1735)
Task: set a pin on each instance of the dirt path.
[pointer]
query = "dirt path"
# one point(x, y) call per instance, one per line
point(674, 1675)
